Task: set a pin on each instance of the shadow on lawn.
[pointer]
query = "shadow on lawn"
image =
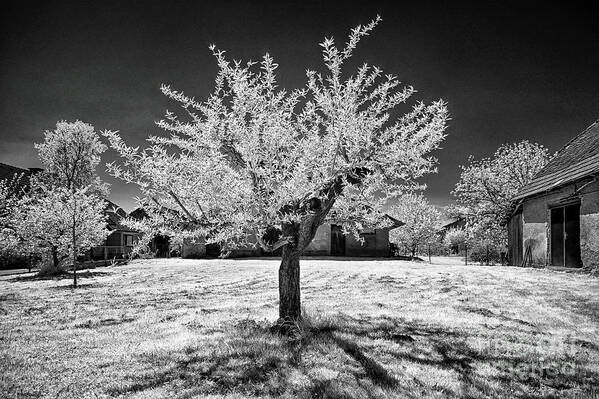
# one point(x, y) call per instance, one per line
point(338, 358)
point(63, 275)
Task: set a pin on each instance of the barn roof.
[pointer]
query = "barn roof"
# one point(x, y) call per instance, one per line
point(579, 158)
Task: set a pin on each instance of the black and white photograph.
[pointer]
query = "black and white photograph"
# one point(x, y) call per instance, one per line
point(299, 199)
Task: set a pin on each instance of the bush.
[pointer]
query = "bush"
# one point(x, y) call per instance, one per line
point(485, 253)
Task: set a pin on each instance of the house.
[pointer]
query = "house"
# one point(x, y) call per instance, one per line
point(330, 241)
point(160, 245)
point(555, 221)
point(121, 239)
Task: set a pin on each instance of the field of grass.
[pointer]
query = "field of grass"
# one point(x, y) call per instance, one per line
point(373, 329)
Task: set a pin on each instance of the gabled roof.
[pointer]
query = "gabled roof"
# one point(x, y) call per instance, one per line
point(21, 175)
point(579, 158)
point(457, 222)
point(114, 215)
point(396, 222)
point(9, 172)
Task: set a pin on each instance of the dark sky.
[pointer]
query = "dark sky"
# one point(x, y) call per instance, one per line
point(508, 71)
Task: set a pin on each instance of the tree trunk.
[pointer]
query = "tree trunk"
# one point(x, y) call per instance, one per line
point(51, 269)
point(289, 285)
point(55, 260)
point(74, 260)
point(74, 237)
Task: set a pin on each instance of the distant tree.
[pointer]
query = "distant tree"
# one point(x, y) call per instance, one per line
point(65, 202)
point(454, 237)
point(10, 195)
point(487, 187)
point(70, 155)
point(67, 222)
point(254, 158)
point(421, 222)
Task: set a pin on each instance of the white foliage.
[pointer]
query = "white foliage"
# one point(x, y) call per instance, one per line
point(487, 187)
point(51, 217)
point(421, 221)
point(253, 155)
point(70, 155)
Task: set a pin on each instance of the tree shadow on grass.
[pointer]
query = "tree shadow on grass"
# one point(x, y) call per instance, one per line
point(62, 275)
point(339, 358)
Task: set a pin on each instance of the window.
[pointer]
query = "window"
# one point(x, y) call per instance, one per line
point(129, 240)
point(369, 237)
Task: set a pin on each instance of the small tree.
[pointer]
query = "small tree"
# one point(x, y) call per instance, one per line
point(254, 158)
point(67, 222)
point(421, 222)
point(487, 187)
point(65, 198)
point(455, 237)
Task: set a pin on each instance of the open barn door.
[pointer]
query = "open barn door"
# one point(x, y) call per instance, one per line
point(565, 236)
point(337, 241)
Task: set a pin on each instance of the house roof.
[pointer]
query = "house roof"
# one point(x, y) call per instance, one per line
point(579, 158)
point(8, 172)
point(115, 214)
point(396, 223)
point(458, 222)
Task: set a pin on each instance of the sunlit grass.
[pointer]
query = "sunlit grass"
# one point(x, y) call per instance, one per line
point(373, 329)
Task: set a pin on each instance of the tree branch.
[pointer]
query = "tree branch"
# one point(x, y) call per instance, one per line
point(172, 194)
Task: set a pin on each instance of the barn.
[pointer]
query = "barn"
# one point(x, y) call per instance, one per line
point(556, 216)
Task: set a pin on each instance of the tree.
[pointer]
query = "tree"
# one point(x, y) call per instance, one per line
point(67, 222)
point(421, 222)
point(65, 198)
point(253, 158)
point(454, 238)
point(11, 192)
point(70, 155)
point(9, 200)
point(487, 187)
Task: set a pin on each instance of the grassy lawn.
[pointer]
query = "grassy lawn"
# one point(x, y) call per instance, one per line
point(374, 329)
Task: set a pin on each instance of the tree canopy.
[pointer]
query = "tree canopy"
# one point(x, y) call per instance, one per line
point(63, 211)
point(487, 187)
point(421, 222)
point(254, 157)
